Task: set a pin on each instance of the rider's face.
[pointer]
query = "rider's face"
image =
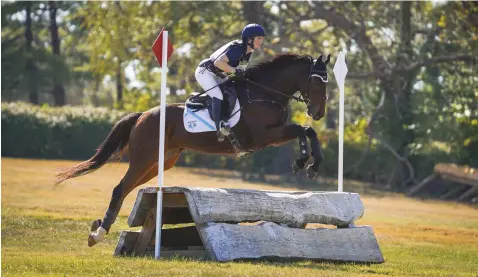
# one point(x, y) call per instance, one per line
point(258, 42)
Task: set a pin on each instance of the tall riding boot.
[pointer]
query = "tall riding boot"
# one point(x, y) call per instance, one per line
point(222, 132)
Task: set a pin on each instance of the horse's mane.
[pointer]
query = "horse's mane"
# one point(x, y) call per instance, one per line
point(279, 61)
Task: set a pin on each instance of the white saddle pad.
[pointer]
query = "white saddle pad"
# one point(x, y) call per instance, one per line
point(200, 121)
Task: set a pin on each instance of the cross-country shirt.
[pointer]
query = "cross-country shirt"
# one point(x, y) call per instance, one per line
point(235, 52)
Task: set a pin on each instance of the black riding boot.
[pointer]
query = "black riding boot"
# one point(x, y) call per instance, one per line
point(217, 113)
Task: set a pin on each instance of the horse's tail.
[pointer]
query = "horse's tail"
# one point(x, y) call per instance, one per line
point(111, 149)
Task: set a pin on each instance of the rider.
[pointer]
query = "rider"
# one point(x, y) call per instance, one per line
point(231, 58)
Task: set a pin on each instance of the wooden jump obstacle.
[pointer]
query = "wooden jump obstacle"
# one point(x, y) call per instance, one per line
point(236, 224)
point(449, 182)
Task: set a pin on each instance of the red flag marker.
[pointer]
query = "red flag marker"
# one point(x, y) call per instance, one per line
point(158, 48)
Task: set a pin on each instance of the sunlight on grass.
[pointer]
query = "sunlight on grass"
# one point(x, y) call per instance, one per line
point(45, 229)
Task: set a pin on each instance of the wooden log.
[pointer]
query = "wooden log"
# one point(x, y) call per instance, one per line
point(468, 194)
point(413, 190)
point(223, 242)
point(292, 208)
point(453, 191)
point(227, 242)
point(236, 205)
point(456, 173)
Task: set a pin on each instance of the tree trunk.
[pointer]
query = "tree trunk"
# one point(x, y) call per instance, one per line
point(30, 67)
point(119, 85)
point(58, 90)
point(405, 86)
point(253, 11)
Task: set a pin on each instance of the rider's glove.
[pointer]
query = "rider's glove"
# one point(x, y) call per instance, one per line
point(239, 73)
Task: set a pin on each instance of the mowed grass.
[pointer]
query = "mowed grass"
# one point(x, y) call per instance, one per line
point(45, 229)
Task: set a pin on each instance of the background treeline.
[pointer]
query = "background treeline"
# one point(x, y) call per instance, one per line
point(411, 92)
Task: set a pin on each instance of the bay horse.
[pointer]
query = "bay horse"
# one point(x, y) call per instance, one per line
point(264, 95)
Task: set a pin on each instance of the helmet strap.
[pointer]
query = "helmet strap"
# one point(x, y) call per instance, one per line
point(250, 42)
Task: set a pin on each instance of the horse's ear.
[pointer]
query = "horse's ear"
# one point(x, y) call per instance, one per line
point(319, 59)
point(327, 60)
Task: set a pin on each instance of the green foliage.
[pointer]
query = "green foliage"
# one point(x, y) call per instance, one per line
point(47, 132)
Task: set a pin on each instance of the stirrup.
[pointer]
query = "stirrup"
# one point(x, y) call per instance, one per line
point(224, 128)
point(220, 137)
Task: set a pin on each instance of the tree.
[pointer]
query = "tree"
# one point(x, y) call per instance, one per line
point(58, 89)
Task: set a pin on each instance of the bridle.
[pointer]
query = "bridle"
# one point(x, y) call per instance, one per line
point(302, 98)
point(322, 74)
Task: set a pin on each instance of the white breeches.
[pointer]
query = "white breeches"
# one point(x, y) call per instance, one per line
point(207, 80)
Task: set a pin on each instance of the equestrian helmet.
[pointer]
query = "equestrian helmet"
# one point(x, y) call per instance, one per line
point(252, 30)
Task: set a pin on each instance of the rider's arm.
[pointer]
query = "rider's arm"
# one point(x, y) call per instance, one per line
point(222, 63)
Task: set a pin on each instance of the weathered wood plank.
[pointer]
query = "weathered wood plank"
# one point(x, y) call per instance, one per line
point(468, 194)
point(227, 242)
point(456, 173)
point(292, 208)
point(145, 199)
point(173, 197)
point(146, 233)
point(413, 190)
point(126, 243)
point(453, 191)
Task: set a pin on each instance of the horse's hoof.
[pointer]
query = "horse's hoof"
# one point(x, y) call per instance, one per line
point(91, 241)
point(95, 225)
point(310, 172)
point(295, 168)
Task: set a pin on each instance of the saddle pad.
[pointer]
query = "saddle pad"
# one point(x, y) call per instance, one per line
point(200, 121)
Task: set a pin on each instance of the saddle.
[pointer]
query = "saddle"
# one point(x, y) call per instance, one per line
point(204, 101)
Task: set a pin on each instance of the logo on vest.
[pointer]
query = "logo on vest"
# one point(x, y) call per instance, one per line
point(192, 124)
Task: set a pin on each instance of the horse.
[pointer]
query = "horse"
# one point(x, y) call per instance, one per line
point(264, 94)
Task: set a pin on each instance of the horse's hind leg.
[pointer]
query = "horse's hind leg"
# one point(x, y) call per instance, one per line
point(143, 156)
point(121, 191)
point(126, 185)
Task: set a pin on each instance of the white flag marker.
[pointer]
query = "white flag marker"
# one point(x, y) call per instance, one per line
point(340, 70)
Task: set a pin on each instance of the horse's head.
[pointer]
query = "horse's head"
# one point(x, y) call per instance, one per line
point(315, 92)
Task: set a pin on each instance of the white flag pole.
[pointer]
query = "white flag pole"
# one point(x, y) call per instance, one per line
point(162, 122)
point(340, 70)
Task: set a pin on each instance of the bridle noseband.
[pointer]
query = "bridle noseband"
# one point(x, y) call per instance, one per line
point(313, 73)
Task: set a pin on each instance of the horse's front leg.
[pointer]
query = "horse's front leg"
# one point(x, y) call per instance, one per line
point(281, 135)
point(317, 154)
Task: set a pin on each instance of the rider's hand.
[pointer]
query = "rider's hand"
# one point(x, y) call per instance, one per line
point(239, 73)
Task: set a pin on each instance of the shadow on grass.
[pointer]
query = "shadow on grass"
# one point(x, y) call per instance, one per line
point(266, 261)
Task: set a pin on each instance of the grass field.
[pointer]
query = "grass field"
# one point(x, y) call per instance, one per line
point(45, 230)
